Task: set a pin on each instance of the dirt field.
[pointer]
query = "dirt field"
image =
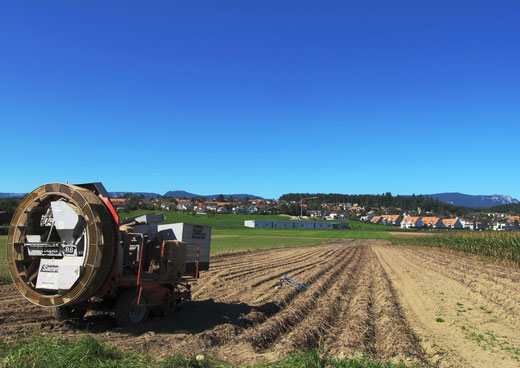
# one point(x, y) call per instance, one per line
point(417, 305)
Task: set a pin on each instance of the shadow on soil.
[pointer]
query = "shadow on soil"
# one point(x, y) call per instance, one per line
point(194, 317)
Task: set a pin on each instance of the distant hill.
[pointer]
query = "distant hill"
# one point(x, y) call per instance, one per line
point(122, 194)
point(184, 194)
point(466, 200)
point(12, 195)
point(512, 208)
point(172, 193)
point(180, 194)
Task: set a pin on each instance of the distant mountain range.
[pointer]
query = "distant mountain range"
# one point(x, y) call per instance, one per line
point(11, 195)
point(122, 194)
point(171, 193)
point(466, 200)
point(457, 199)
point(183, 194)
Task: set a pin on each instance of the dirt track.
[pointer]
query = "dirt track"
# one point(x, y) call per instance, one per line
point(363, 297)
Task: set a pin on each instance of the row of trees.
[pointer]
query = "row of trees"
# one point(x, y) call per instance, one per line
point(387, 200)
point(9, 204)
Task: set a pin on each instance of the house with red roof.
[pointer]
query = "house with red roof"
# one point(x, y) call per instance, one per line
point(392, 219)
point(433, 222)
point(411, 223)
point(452, 223)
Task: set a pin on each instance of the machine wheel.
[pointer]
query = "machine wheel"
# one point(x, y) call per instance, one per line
point(128, 311)
point(64, 313)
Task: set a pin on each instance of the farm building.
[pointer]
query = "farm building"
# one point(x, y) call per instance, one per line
point(296, 225)
point(258, 224)
point(323, 225)
point(303, 225)
point(283, 224)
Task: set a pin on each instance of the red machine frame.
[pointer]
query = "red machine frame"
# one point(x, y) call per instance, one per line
point(157, 291)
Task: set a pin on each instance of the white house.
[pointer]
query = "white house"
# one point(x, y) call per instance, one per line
point(185, 207)
point(452, 223)
point(392, 219)
point(411, 223)
point(471, 225)
point(433, 222)
point(503, 226)
point(239, 210)
point(376, 219)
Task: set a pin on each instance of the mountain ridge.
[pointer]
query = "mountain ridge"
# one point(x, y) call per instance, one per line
point(184, 194)
point(455, 198)
point(474, 201)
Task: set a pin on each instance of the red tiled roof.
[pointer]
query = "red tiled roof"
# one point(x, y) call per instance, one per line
point(450, 221)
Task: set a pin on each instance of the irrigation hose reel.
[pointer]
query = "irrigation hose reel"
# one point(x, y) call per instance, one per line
point(61, 245)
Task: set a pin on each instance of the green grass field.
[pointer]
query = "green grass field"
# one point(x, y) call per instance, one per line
point(230, 234)
point(4, 271)
point(87, 352)
point(237, 221)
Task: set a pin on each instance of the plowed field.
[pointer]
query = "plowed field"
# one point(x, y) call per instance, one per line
point(364, 297)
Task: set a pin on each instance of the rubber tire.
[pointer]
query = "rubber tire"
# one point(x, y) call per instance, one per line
point(66, 312)
point(126, 309)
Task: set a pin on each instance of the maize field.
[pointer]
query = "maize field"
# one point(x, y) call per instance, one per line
point(498, 246)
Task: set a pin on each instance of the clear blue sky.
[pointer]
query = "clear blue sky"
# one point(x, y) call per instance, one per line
point(263, 97)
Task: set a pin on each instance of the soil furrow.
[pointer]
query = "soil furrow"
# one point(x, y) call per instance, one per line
point(315, 327)
point(265, 335)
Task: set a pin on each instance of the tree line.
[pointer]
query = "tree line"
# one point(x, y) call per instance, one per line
point(386, 200)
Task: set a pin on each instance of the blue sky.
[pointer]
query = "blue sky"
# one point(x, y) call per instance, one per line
point(263, 97)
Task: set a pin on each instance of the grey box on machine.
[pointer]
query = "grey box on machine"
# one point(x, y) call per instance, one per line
point(191, 234)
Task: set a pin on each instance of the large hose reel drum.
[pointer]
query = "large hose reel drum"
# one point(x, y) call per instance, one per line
point(61, 245)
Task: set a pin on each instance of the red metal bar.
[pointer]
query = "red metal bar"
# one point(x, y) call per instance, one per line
point(162, 249)
point(110, 208)
point(112, 279)
point(139, 296)
point(141, 251)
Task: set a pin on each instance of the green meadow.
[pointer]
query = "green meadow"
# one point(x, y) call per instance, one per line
point(4, 271)
point(89, 352)
point(237, 221)
point(230, 234)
